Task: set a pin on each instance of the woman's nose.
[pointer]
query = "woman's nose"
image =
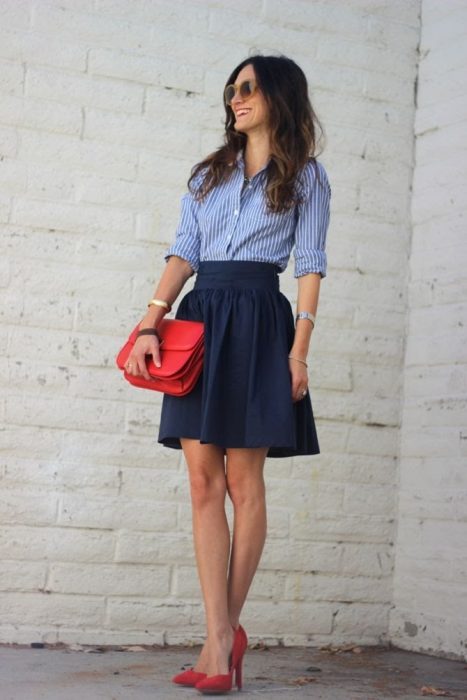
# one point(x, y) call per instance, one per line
point(237, 98)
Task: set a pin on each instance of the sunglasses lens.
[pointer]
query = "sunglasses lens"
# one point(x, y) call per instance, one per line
point(229, 93)
point(246, 89)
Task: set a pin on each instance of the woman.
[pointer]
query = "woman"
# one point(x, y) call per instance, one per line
point(258, 196)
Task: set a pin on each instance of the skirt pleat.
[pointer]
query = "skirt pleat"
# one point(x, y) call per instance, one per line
point(243, 396)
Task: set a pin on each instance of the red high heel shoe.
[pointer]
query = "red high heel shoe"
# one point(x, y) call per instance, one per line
point(223, 682)
point(188, 678)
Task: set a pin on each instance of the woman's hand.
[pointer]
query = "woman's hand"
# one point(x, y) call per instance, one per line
point(299, 379)
point(136, 363)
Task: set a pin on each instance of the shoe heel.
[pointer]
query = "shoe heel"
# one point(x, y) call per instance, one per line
point(238, 674)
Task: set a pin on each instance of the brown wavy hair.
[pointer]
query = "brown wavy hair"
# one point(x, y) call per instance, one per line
point(292, 123)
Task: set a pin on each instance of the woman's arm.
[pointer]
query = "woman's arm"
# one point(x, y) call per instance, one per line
point(308, 295)
point(176, 273)
point(310, 265)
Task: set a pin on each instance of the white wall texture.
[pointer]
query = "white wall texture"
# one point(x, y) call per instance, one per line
point(104, 107)
point(430, 581)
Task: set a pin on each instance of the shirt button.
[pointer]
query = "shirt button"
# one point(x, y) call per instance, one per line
point(236, 212)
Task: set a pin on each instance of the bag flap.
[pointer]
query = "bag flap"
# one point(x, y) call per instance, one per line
point(177, 335)
point(180, 335)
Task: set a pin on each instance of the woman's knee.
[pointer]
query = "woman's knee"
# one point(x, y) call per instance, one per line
point(245, 491)
point(206, 470)
point(244, 476)
point(206, 488)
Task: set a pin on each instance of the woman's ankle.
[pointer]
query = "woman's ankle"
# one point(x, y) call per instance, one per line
point(221, 634)
point(235, 624)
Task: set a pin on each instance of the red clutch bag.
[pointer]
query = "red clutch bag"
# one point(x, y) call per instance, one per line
point(182, 352)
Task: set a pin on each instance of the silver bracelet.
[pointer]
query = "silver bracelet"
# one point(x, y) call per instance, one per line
point(307, 315)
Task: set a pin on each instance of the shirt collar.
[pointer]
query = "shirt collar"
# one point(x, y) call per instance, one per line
point(241, 163)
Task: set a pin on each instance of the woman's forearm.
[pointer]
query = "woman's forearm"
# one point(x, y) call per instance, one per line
point(308, 295)
point(176, 273)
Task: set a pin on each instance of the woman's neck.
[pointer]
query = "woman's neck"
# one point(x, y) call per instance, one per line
point(257, 153)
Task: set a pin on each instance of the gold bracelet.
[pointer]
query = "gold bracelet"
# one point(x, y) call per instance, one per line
point(162, 303)
point(297, 360)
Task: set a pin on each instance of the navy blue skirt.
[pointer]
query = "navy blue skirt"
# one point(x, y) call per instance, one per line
point(243, 396)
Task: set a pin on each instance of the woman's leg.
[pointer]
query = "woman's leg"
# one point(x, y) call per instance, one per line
point(245, 485)
point(211, 535)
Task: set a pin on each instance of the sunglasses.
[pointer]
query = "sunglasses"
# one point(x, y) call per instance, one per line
point(245, 90)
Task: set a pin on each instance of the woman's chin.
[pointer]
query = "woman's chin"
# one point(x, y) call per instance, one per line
point(241, 129)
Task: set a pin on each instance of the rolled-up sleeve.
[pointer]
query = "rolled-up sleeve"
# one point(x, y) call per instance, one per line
point(187, 242)
point(312, 223)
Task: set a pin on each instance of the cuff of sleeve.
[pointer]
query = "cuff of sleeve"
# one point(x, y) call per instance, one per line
point(193, 262)
point(314, 261)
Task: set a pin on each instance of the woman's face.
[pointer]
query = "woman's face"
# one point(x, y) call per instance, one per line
point(251, 113)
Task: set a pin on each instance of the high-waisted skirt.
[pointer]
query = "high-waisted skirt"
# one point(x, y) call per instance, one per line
point(243, 397)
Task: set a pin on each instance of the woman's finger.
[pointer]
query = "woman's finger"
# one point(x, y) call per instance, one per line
point(143, 368)
point(299, 390)
point(299, 382)
point(156, 357)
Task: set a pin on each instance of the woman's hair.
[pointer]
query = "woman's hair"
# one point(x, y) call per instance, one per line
point(292, 123)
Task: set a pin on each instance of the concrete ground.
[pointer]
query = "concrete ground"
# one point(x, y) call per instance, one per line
point(96, 673)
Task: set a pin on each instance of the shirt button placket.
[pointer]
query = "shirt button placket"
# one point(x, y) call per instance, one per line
point(233, 227)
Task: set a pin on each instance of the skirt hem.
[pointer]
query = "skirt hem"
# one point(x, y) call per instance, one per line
point(274, 451)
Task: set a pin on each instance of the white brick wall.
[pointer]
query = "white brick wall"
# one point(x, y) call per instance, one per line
point(430, 581)
point(104, 107)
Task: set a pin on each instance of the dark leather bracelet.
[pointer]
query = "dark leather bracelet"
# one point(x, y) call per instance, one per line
point(149, 331)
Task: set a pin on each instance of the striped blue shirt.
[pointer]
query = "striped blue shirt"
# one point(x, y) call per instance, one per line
point(233, 223)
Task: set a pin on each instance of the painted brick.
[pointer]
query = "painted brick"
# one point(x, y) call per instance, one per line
point(347, 469)
point(290, 555)
point(288, 618)
point(96, 28)
point(154, 548)
point(51, 609)
point(15, 15)
point(163, 14)
point(118, 448)
point(31, 544)
point(8, 142)
point(353, 589)
point(151, 613)
point(22, 576)
point(28, 506)
point(136, 131)
point(80, 218)
point(145, 69)
point(331, 526)
point(84, 156)
point(39, 114)
point(114, 513)
point(369, 499)
point(95, 579)
point(31, 48)
point(84, 90)
point(373, 620)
